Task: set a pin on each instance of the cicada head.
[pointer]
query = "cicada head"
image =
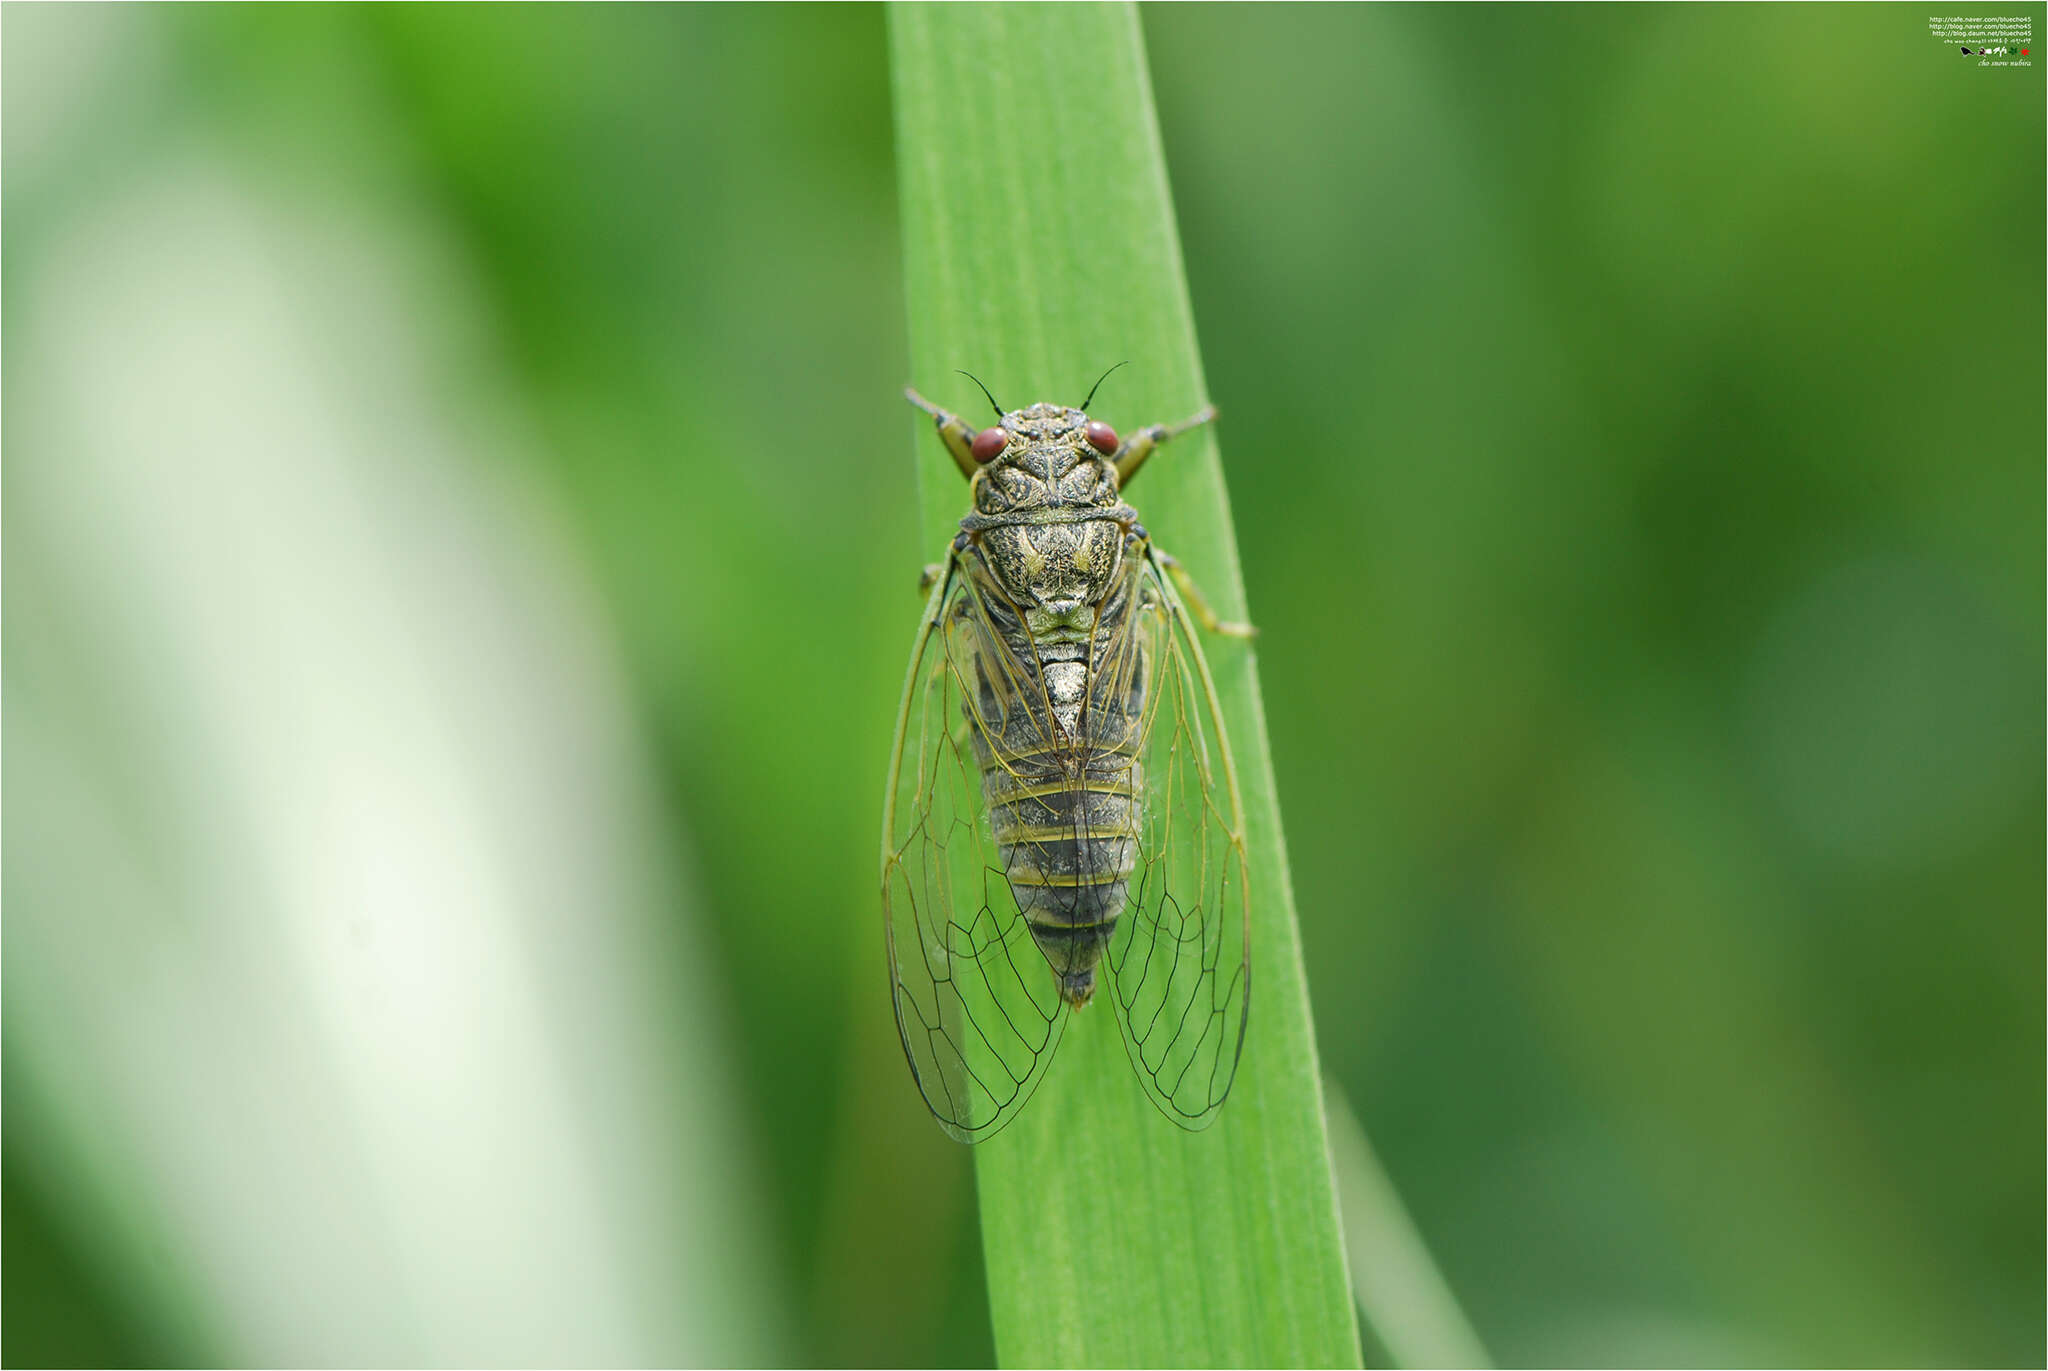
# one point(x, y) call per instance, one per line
point(1044, 457)
point(1057, 521)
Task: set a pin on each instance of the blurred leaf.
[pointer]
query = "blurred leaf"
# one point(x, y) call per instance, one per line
point(353, 1005)
point(1406, 1303)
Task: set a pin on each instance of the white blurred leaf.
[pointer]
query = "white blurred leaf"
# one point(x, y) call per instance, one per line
point(352, 1001)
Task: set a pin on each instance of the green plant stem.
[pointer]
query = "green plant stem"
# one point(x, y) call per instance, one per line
point(1039, 248)
point(1409, 1309)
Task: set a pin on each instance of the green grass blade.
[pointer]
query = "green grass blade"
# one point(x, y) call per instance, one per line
point(1040, 247)
point(1408, 1308)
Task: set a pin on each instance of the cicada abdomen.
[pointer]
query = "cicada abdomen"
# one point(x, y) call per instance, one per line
point(1059, 759)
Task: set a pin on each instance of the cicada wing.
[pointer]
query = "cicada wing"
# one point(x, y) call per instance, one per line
point(1180, 960)
point(979, 1014)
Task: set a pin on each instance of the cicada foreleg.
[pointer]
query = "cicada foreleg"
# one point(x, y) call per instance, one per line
point(1198, 603)
point(955, 432)
point(1138, 446)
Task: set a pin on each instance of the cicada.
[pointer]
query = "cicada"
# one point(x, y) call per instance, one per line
point(1062, 812)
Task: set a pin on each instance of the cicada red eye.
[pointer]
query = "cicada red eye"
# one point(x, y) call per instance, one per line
point(989, 444)
point(1101, 437)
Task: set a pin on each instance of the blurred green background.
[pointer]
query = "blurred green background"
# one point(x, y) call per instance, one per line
point(460, 559)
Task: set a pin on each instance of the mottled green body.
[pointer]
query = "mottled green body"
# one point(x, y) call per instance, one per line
point(1061, 794)
point(1050, 528)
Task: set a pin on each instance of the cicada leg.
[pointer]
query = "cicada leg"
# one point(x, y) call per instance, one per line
point(954, 431)
point(1198, 603)
point(1138, 446)
point(929, 577)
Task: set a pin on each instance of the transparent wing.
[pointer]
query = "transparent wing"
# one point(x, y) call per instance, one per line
point(1180, 960)
point(978, 1010)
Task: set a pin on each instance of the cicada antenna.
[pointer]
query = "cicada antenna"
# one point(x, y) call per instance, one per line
point(984, 390)
point(1098, 385)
